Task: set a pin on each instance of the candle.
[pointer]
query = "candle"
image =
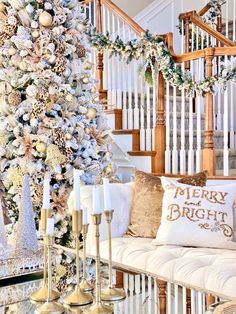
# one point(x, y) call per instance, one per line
point(96, 201)
point(77, 174)
point(85, 216)
point(46, 192)
point(106, 194)
point(50, 226)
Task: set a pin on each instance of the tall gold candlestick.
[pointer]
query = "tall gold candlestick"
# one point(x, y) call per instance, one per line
point(50, 307)
point(111, 293)
point(41, 295)
point(84, 284)
point(77, 297)
point(98, 307)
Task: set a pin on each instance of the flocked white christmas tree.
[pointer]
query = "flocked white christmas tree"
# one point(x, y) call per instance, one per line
point(26, 238)
point(3, 238)
point(50, 116)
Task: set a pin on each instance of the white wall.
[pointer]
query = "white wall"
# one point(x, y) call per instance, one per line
point(132, 7)
point(161, 16)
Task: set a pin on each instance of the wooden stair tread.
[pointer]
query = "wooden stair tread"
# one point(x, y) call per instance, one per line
point(126, 132)
point(145, 153)
point(113, 111)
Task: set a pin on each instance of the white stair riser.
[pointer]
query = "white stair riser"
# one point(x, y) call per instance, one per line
point(124, 141)
point(143, 163)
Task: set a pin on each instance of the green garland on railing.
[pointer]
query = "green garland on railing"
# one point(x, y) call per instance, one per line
point(157, 57)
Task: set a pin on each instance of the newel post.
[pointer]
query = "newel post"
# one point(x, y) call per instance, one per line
point(160, 130)
point(100, 66)
point(208, 151)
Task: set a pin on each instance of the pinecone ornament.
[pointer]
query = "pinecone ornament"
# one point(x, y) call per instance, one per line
point(37, 110)
point(81, 51)
point(60, 65)
point(14, 98)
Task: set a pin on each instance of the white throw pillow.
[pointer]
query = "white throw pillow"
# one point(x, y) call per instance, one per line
point(197, 216)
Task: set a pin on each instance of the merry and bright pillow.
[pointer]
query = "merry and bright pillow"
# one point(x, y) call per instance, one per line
point(197, 216)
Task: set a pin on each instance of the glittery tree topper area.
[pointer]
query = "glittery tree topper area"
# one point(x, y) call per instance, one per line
point(50, 116)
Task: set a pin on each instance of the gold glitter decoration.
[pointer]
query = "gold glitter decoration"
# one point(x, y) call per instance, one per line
point(54, 156)
point(15, 175)
point(14, 98)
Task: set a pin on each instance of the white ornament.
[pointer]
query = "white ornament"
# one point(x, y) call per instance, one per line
point(69, 97)
point(29, 8)
point(34, 24)
point(47, 6)
point(17, 4)
point(31, 90)
point(45, 19)
point(35, 34)
point(12, 20)
point(5, 88)
point(23, 53)
point(52, 59)
point(24, 17)
point(91, 113)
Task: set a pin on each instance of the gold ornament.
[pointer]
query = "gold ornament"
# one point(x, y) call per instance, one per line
point(12, 51)
point(2, 7)
point(91, 113)
point(89, 66)
point(81, 51)
point(35, 34)
point(49, 106)
point(108, 169)
point(59, 176)
point(85, 80)
point(41, 147)
point(14, 98)
point(3, 139)
point(68, 136)
point(54, 156)
point(69, 98)
point(45, 19)
point(87, 130)
point(15, 175)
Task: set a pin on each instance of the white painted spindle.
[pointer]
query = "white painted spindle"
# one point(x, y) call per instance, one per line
point(175, 130)
point(168, 152)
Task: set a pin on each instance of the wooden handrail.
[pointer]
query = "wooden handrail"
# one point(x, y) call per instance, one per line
point(193, 17)
point(204, 10)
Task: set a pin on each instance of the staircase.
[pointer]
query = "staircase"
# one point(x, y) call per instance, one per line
point(161, 129)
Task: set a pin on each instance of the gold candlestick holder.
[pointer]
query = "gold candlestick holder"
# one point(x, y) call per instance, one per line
point(50, 307)
point(77, 297)
point(111, 293)
point(84, 284)
point(41, 295)
point(98, 307)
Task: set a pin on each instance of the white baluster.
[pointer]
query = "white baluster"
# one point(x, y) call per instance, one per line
point(182, 37)
point(95, 13)
point(202, 39)
point(190, 151)
point(119, 72)
point(149, 302)
point(197, 38)
point(227, 19)
point(168, 152)
point(169, 300)
point(142, 130)
point(143, 288)
point(226, 130)
point(148, 117)
point(193, 302)
point(184, 296)
point(124, 79)
point(182, 149)
point(199, 299)
point(192, 37)
point(199, 123)
point(234, 17)
point(137, 293)
point(232, 86)
point(131, 289)
point(113, 64)
point(136, 108)
point(176, 299)
point(90, 13)
point(155, 296)
point(154, 111)
point(130, 110)
point(175, 148)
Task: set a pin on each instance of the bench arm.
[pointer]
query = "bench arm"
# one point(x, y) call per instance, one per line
point(121, 201)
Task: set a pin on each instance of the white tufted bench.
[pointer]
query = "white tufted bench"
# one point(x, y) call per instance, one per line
point(202, 269)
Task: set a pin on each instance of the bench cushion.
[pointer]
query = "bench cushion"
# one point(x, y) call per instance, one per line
point(207, 269)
